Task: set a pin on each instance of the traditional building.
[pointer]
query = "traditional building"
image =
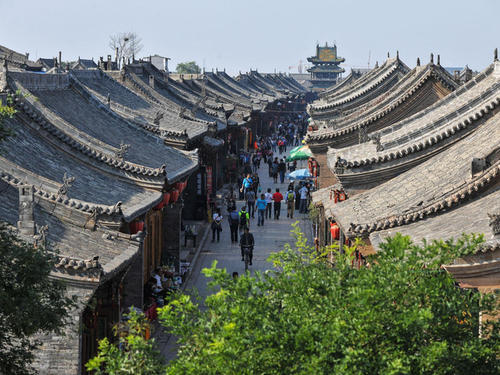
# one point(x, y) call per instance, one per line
point(349, 98)
point(326, 70)
point(409, 142)
point(71, 186)
point(415, 91)
point(447, 183)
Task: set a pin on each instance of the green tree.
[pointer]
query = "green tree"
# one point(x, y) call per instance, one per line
point(402, 314)
point(30, 301)
point(189, 67)
point(135, 355)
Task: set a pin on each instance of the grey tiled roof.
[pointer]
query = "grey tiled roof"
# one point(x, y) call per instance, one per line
point(410, 141)
point(362, 90)
point(29, 156)
point(443, 182)
point(75, 246)
point(136, 106)
point(471, 217)
point(422, 85)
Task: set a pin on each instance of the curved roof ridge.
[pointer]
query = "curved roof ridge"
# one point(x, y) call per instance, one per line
point(53, 196)
point(452, 198)
point(86, 148)
point(356, 93)
point(361, 81)
point(395, 97)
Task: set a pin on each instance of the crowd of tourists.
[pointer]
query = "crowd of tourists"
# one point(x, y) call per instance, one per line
point(264, 202)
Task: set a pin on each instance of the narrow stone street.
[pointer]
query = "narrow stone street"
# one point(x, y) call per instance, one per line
point(268, 239)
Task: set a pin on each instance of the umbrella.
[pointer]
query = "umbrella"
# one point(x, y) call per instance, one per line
point(300, 174)
point(300, 153)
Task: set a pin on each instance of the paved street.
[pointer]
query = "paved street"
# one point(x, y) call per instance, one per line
point(269, 238)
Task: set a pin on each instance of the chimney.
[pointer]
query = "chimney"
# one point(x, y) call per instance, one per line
point(26, 223)
point(116, 55)
point(432, 58)
point(418, 61)
point(439, 60)
point(495, 55)
point(60, 58)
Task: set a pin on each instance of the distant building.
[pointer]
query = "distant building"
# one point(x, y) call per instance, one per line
point(83, 64)
point(326, 70)
point(159, 62)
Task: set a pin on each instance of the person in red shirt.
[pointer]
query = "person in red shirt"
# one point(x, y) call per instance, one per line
point(277, 198)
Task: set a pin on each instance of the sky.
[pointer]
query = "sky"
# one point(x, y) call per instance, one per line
point(268, 35)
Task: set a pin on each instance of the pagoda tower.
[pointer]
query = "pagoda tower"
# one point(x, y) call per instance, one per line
point(325, 71)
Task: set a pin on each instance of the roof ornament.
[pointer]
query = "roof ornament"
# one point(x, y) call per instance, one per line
point(375, 138)
point(67, 182)
point(388, 55)
point(340, 165)
point(439, 59)
point(41, 236)
point(495, 223)
point(120, 153)
point(397, 54)
point(363, 135)
point(495, 54)
point(418, 61)
point(376, 64)
point(92, 220)
point(158, 117)
point(432, 58)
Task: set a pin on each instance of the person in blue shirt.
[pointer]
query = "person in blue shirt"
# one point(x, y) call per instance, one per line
point(261, 209)
point(247, 184)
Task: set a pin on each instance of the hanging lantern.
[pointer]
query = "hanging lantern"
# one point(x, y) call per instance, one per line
point(334, 231)
point(174, 196)
point(136, 226)
point(166, 198)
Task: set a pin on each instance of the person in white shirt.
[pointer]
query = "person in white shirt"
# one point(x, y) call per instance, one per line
point(216, 225)
point(269, 200)
point(303, 199)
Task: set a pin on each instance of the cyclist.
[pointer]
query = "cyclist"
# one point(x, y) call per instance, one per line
point(247, 241)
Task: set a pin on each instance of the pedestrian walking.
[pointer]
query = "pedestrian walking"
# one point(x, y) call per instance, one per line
point(275, 170)
point(246, 184)
point(261, 210)
point(234, 222)
point(303, 199)
point(243, 219)
point(282, 170)
point(250, 198)
point(216, 225)
point(277, 198)
point(290, 202)
point(269, 201)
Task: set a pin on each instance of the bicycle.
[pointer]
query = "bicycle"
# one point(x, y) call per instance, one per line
point(246, 256)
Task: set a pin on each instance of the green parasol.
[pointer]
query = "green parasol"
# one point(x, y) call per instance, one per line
point(299, 153)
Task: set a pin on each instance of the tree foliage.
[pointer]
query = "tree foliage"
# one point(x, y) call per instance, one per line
point(7, 110)
point(402, 314)
point(129, 44)
point(30, 301)
point(134, 354)
point(189, 67)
